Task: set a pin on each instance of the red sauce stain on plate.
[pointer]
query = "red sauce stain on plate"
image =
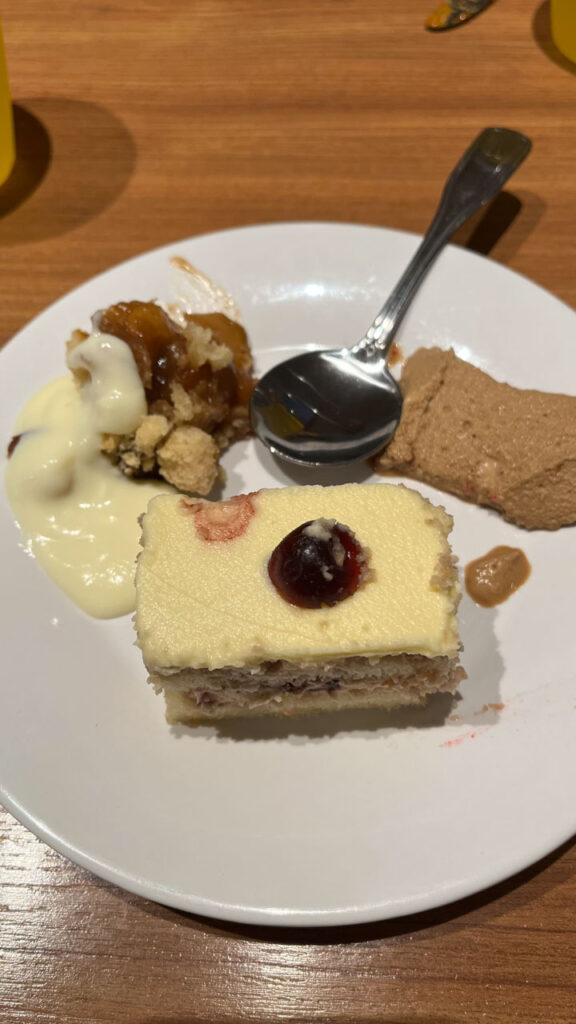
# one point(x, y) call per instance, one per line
point(395, 355)
point(457, 742)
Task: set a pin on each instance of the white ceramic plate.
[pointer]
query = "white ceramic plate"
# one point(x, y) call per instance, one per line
point(333, 819)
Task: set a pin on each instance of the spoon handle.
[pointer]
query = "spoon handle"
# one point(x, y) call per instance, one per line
point(477, 178)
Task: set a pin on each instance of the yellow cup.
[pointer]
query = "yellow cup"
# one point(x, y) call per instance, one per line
point(563, 26)
point(7, 152)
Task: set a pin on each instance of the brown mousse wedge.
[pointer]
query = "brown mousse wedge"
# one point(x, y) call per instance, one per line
point(510, 449)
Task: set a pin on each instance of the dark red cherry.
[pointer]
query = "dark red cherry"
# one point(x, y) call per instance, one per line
point(318, 563)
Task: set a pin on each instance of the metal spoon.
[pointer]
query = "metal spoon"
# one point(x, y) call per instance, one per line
point(331, 407)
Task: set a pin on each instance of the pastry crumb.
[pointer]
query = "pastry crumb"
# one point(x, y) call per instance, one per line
point(189, 460)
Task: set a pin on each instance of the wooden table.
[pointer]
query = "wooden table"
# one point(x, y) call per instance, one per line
point(141, 123)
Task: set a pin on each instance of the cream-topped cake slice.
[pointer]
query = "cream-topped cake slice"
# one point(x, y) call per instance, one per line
point(296, 600)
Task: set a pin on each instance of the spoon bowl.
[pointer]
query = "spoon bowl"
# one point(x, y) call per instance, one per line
point(330, 407)
point(326, 407)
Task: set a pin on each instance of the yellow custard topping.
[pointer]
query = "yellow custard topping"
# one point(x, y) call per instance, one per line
point(205, 600)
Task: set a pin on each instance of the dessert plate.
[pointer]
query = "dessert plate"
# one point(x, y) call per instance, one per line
point(331, 819)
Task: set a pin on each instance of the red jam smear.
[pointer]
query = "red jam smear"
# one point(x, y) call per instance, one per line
point(221, 520)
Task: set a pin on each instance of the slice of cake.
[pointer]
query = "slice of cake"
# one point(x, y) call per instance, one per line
point(296, 600)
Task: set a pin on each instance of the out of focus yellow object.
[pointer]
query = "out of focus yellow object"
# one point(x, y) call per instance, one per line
point(7, 152)
point(563, 26)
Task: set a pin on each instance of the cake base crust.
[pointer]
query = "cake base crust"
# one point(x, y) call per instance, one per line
point(193, 697)
point(183, 710)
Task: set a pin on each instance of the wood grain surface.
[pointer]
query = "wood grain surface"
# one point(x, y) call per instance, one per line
point(141, 123)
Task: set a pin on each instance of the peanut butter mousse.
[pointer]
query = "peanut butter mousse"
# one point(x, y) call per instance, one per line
point(227, 626)
point(494, 577)
point(510, 449)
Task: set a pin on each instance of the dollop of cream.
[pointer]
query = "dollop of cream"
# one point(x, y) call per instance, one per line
point(78, 512)
point(114, 394)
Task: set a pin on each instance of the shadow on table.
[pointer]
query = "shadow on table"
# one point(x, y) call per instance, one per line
point(73, 159)
point(33, 158)
point(543, 36)
point(501, 229)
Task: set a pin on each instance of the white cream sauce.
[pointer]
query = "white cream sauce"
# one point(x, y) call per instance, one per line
point(77, 511)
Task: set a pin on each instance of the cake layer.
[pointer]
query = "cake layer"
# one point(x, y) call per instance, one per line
point(291, 688)
point(205, 600)
point(183, 709)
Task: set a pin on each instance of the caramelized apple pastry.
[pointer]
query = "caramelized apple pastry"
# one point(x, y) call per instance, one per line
point(197, 380)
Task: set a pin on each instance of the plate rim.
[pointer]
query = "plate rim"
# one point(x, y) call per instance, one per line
point(158, 250)
point(240, 913)
point(275, 917)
